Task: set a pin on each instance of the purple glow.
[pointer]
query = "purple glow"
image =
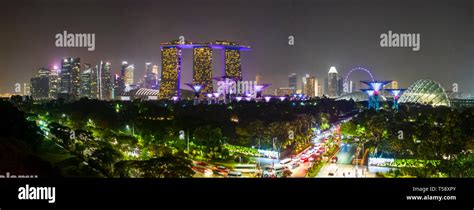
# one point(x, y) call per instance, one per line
point(197, 88)
point(370, 92)
point(358, 68)
point(267, 98)
point(238, 98)
point(248, 95)
point(376, 86)
point(175, 98)
point(258, 88)
point(248, 98)
point(282, 98)
point(396, 92)
point(216, 95)
point(209, 95)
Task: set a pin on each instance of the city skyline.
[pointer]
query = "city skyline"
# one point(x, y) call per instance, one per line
point(445, 55)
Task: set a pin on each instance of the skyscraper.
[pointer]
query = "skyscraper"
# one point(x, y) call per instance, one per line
point(340, 86)
point(151, 76)
point(332, 84)
point(202, 68)
point(292, 81)
point(40, 85)
point(393, 85)
point(86, 81)
point(171, 71)
point(128, 75)
point(54, 82)
point(310, 86)
point(119, 86)
point(258, 79)
point(156, 72)
point(70, 77)
point(105, 81)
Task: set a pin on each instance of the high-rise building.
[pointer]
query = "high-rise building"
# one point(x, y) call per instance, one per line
point(104, 85)
point(284, 91)
point(171, 71)
point(233, 66)
point(87, 81)
point(70, 77)
point(393, 85)
point(258, 79)
point(325, 87)
point(340, 86)
point(54, 83)
point(94, 94)
point(128, 75)
point(292, 82)
point(119, 86)
point(310, 86)
point(156, 71)
point(151, 76)
point(333, 83)
point(202, 68)
point(40, 85)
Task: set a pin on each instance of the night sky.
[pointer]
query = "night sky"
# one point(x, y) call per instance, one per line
point(340, 33)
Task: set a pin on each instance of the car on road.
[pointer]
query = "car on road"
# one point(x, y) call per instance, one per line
point(234, 174)
point(304, 159)
point(334, 159)
point(220, 170)
point(202, 169)
point(294, 165)
point(285, 161)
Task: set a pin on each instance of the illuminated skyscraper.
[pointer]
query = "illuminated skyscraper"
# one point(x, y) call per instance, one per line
point(105, 84)
point(292, 82)
point(151, 76)
point(71, 77)
point(171, 64)
point(202, 68)
point(54, 82)
point(156, 71)
point(310, 86)
point(86, 81)
point(128, 75)
point(171, 71)
point(393, 85)
point(232, 62)
point(340, 86)
point(258, 78)
point(233, 68)
point(332, 84)
point(40, 85)
point(119, 86)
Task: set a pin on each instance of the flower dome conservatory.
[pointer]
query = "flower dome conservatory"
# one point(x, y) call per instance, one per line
point(425, 91)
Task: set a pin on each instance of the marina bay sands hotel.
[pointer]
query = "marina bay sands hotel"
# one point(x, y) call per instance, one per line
point(202, 65)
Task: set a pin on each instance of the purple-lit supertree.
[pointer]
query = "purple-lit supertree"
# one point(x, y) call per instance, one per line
point(374, 92)
point(196, 90)
point(396, 95)
point(259, 89)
